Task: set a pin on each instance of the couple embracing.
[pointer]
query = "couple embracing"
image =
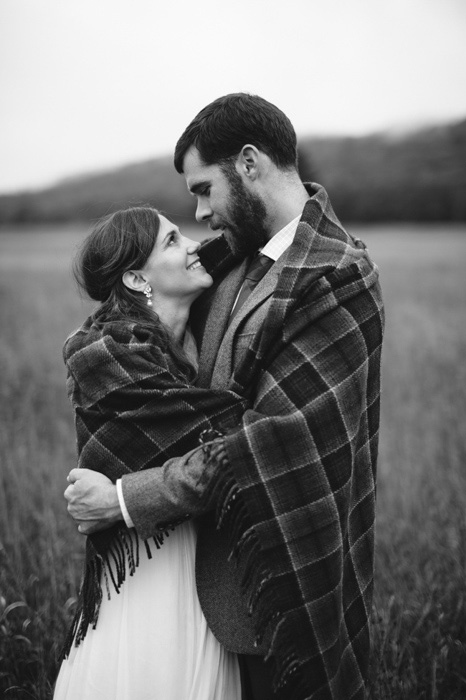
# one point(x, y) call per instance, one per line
point(226, 399)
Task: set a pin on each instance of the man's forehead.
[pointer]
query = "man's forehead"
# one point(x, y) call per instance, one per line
point(192, 158)
point(195, 170)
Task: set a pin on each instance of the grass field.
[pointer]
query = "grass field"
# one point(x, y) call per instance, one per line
point(419, 626)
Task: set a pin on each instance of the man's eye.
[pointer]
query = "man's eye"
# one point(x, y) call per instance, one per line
point(206, 192)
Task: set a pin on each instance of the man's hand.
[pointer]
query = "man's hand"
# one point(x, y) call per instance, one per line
point(92, 500)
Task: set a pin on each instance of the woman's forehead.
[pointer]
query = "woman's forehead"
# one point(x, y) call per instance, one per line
point(166, 226)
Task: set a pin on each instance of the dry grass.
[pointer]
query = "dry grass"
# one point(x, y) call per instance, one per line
point(420, 619)
point(420, 614)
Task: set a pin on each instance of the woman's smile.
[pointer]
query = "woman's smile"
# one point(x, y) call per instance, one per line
point(173, 256)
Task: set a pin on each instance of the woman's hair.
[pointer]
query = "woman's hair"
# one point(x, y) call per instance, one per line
point(119, 242)
point(224, 126)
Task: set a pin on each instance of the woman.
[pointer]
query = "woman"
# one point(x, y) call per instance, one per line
point(130, 372)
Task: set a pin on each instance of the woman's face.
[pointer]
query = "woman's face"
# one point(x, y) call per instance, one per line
point(173, 269)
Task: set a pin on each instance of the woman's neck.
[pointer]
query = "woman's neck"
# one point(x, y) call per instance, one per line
point(173, 315)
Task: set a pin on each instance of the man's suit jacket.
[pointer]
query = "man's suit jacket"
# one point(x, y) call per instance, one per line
point(162, 491)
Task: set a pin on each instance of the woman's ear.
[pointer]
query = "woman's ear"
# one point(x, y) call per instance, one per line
point(135, 280)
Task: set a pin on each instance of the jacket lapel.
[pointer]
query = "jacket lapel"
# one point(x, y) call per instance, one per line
point(222, 368)
point(264, 289)
point(217, 321)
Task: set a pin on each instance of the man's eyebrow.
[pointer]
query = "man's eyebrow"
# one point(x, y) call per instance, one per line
point(199, 186)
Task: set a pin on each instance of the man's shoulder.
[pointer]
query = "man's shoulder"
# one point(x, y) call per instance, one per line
point(323, 240)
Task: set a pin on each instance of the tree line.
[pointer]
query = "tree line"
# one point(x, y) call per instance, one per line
point(417, 176)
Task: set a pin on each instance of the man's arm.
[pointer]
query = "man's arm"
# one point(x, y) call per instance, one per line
point(175, 491)
point(152, 497)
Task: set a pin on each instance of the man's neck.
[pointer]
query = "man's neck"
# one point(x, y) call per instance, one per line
point(286, 205)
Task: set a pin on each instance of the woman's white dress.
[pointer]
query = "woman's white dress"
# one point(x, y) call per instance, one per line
point(152, 641)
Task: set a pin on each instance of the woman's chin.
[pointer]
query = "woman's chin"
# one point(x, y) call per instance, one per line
point(205, 281)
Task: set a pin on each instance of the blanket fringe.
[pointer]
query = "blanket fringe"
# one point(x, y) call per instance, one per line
point(109, 565)
point(257, 581)
point(86, 614)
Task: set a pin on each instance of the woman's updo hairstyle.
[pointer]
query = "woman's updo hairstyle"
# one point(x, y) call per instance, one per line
point(119, 242)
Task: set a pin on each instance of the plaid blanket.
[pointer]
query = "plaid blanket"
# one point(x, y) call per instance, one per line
point(133, 410)
point(297, 487)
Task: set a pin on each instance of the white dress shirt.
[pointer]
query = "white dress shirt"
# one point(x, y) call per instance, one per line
point(274, 248)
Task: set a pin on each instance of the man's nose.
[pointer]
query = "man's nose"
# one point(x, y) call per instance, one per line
point(203, 211)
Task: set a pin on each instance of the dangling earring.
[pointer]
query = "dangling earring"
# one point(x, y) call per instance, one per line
point(148, 292)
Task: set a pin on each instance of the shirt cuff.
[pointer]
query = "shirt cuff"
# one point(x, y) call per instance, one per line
point(124, 510)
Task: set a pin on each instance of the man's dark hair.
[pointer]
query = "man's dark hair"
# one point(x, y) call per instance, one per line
point(221, 129)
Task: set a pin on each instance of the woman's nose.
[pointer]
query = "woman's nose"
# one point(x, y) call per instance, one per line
point(191, 246)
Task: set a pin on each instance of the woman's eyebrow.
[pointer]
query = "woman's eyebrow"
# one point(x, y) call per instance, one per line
point(170, 233)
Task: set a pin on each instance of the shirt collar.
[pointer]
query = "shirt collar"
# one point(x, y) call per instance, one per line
point(281, 241)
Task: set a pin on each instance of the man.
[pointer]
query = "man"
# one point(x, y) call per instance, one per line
point(294, 484)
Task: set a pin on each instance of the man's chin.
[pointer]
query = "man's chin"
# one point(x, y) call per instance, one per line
point(243, 244)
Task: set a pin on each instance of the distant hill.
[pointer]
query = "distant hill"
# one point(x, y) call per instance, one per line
point(88, 197)
point(417, 176)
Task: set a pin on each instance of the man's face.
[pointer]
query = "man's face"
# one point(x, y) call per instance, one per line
point(226, 204)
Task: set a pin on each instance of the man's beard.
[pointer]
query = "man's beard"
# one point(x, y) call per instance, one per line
point(246, 217)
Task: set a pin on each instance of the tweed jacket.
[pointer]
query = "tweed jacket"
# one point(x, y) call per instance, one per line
point(295, 486)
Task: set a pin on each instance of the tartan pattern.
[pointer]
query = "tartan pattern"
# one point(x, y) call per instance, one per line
point(297, 488)
point(133, 411)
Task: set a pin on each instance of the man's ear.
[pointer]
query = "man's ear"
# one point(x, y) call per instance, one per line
point(135, 280)
point(249, 161)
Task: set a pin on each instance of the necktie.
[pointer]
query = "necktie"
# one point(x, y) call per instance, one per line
point(255, 272)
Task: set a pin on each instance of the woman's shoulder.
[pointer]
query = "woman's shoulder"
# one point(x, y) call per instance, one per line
point(95, 332)
point(126, 331)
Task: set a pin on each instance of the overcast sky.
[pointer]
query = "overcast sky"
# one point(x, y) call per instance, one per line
point(90, 84)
